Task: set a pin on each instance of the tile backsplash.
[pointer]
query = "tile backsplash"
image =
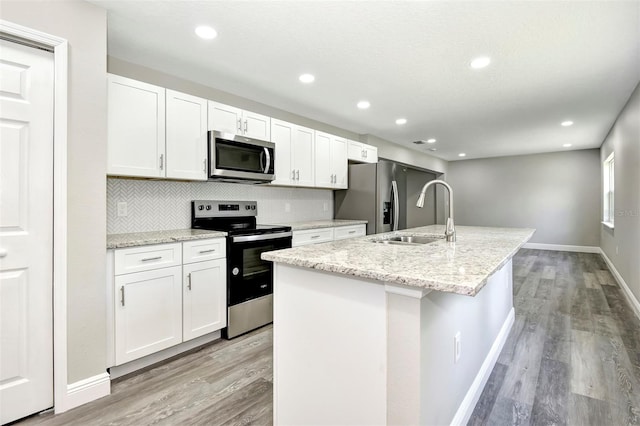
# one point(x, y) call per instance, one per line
point(155, 205)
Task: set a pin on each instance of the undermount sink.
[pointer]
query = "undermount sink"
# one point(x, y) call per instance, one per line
point(407, 239)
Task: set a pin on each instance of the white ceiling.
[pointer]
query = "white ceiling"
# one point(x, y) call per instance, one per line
point(551, 61)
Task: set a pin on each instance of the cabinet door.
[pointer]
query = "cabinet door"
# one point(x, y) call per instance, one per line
point(148, 312)
point(135, 128)
point(339, 163)
point(355, 151)
point(282, 135)
point(324, 171)
point(225, 118)
point(256, 126)
point(302, 156)
point(205, 298)
point(370, 153)
point(186, 136)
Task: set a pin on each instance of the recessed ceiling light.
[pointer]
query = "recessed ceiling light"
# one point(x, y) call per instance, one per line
point(307, 78)
point(462, 154)
point(480, 62)
point(401, 121)
point(206, 32)
point(364, 104)
point(567, 123)
point(566, 145)
point(431, 140)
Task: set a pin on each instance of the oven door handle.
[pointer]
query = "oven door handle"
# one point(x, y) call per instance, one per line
point(262, 237)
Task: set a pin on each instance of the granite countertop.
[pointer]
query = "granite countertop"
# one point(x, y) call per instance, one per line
point(158, 237)
point(317, 224)
point(462, 267)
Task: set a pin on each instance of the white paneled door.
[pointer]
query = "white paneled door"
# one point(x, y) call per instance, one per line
point(26, 230)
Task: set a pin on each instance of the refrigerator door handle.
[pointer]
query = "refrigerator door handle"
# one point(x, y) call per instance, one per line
point(395, 215)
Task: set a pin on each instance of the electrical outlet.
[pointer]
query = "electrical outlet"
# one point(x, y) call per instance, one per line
point(325, 207)
point(456, 347)
point(287, 207)
point(122, 209)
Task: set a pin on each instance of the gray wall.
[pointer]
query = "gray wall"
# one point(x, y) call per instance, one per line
point(624, 141)
point(85, 27)
point(556, 193)
point(426, 215)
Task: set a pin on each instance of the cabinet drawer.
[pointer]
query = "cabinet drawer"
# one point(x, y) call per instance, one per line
point(137, 259)
point(201, 250)
point(312, 236)
point(343, 232)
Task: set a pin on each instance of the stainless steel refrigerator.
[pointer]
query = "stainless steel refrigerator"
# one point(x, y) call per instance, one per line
point(385, 195)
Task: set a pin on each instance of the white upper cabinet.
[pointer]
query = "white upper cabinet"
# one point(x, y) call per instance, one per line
point(136, 128)
point(363, 153)
point(294, 163)
point(330, 161)
point(186, 146)
point(228, 119)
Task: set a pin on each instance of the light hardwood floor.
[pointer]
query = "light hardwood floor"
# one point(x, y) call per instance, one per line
point(572, 358)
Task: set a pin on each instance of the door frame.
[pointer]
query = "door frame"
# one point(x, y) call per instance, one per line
point(60, 48)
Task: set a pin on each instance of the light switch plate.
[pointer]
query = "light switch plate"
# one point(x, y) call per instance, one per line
point(122, 209)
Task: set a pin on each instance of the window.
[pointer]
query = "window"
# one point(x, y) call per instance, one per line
point(608, 199)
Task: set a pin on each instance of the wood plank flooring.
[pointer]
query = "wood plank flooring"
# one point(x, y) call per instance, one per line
point(573, 355)
point(572, 358)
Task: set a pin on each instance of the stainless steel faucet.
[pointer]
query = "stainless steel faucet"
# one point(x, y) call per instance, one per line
point(450, 230)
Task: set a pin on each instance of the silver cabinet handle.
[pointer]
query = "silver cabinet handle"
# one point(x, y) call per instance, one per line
point(147, 259)
point(161, 161)
point(352, 232)
point(3, 253)
point(363, 152)
point(313, 237)
point(189, 280)
point(293, 175)
point(366, 154)
point(239, 125)
point(246, 126)
point(298, 175)
point(207, 251)
point(204, 165)
point(122, 295)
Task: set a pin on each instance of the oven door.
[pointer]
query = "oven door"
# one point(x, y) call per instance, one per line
point(235, 157)
point(250, 276)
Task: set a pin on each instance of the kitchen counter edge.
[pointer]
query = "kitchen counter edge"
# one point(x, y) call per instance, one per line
point(135, 239)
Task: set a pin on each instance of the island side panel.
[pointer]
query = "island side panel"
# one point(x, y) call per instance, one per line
point(330, 341)
point(450, 389)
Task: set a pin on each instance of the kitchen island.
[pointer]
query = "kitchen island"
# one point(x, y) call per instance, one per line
point(369, 332)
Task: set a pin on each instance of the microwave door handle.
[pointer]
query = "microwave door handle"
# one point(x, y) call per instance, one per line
point(268, 166)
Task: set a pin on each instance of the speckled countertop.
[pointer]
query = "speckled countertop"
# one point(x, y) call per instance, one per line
point(316, 224)
point(461, 267)
point(158, 237)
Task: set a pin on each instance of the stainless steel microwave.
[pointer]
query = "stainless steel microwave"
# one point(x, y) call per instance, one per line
point(236, 158)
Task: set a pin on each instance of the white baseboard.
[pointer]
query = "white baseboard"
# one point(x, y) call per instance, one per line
point(87, 390)
point(633, 301)
point(473, 394)
point(137, 364)
point(560, 247)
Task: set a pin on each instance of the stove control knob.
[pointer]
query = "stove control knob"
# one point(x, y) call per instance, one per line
point(208, 207)
point(253, 207)
point(235, 271)
point(200, 207)
point(247, 207)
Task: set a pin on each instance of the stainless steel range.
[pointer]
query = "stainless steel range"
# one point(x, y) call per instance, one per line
point(249, 278)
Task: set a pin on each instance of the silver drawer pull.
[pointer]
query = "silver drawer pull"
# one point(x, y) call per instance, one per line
point(147, 259)
point(352, 232)
point(313, 237)
point(207, 251)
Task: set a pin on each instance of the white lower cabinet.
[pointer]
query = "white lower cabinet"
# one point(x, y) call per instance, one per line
point(204, 298)
point(148, 312)
point(323, 235)
point(164, 295)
